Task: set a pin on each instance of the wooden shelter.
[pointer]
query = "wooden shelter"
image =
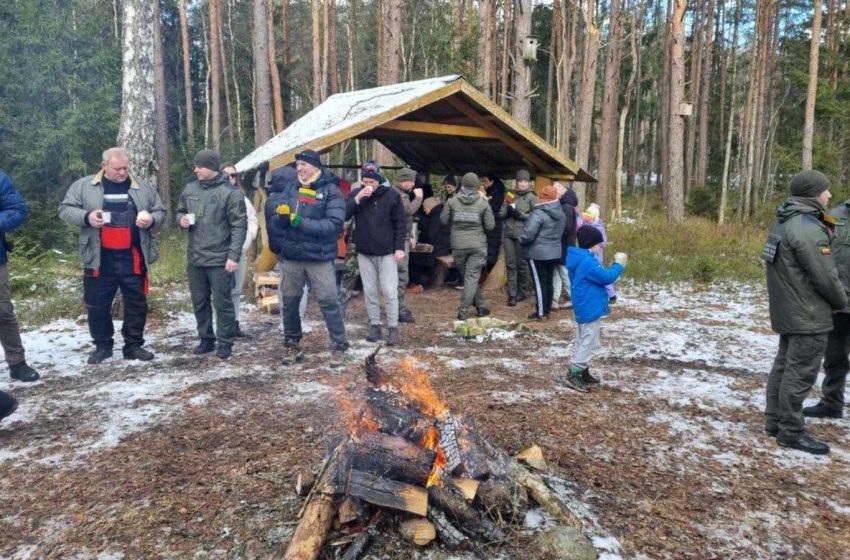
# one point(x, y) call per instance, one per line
point(439, 125)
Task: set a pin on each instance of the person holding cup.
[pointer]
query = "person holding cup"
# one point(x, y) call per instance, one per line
point(118, 216)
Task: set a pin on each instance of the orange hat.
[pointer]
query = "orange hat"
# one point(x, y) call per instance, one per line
point(548, 193)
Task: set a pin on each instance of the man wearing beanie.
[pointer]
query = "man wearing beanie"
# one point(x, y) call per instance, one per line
point(308, 219)
point(380, 229)
point(449, 187)
point(405, 186)
point(804, 290)
point(541, 244)
point(118, 215)
point(518, 205)
point(588, 278)
point(214, 215)
point(469, 216)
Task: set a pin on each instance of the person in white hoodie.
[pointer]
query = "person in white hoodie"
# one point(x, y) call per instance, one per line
point(250, 236)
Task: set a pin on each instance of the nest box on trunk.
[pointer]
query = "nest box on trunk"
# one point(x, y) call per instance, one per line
point(529, 49)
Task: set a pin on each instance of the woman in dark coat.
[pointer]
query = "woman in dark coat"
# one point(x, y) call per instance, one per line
point(496, 197)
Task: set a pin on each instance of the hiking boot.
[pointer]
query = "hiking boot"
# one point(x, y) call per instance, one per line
point(771, 429)
point(612, 300)
point(462, 315)
point(100, 353)
point(822, 410)
point(804, 443)
point(588, 378)
point(405, 316)
point(240, 333)
point(206, 346)
point(392, 336)
point(8, 405)
point(521, 297)
point(374, 333)
point(292, 353)
point(137, 353)
point(224, 350)
point(511, 302)
point(483, 311)
point(22, 372)
point(339, 355)
point(575, 381)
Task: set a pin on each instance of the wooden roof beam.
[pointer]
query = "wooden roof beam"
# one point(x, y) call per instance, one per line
point(438, 129)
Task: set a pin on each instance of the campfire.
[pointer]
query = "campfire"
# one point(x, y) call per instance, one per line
point(409, 463)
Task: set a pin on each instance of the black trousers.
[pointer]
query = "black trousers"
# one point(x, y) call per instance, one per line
point(210, 287)
point(124, 270)
point(835, 361)
point(542, 276)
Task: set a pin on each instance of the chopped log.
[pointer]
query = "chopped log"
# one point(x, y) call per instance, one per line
point(392, 457)
point(419, 531)
point(468, 486)
point(533, 456)
point(449, 535)
point(451, 502)
point(474, 460)
point(397, 416)
point(387, 493)
point(503, 500)
point(348, 511)
point(310, 533)
point(304, 482)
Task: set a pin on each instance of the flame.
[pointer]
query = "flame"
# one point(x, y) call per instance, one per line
point(357, 419)
point(431, 440)
point(415, 383)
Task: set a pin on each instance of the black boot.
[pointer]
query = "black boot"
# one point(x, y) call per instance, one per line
point(206, 346)
point(22, 372)
point(100, 353)
point(292, 353)
point(239, 332)
point(224, 350)
point(511, 301)
point(483, 311)
point(575, 380)
point(588, 378)
point(521, 297)
point(804, 443)
point(339, 355)
point(392, 336)
point(822, 410)
point(374, 333)
point(405, 316)
point(137, 353)
point(8, 405)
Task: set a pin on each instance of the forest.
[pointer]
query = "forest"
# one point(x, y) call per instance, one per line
point(708, 105)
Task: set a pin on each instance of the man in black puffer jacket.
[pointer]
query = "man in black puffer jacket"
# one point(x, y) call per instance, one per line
point(308, 219)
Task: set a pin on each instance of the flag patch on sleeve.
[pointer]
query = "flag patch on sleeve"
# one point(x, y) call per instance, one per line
point(825, 251)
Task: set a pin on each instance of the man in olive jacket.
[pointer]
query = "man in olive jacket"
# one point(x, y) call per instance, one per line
point(835, 362)
point(804, 290)
point(470, 216)
point(214, 214)
point(117, 216)
point(516, 208)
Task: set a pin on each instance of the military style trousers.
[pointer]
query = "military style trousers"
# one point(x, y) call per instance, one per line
point(403, 277)
point(516, 268)
point(10, 333)
point(794, 371)
point(835, 362)
point(470, 263)
point(212, 286)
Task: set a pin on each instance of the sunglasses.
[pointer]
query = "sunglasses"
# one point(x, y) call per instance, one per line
point(233, 175)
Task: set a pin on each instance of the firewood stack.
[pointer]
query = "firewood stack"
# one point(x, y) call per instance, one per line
point(411, 465)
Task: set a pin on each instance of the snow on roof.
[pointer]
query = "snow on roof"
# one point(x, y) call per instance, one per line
point(341, 111)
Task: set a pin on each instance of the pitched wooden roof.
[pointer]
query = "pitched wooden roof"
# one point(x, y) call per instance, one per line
point(442, 125)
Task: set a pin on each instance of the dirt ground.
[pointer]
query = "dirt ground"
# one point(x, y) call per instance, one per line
point(190, 457)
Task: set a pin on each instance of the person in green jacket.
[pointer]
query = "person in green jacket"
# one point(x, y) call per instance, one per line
point(804, 290)
point(518, 205)
point(835, 362)
point(470, 216)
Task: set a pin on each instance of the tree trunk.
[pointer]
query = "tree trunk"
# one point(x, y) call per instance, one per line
point(565, 65)
point(624, 113)
point(507, 8)
point(326, 46)
point(334, 50)
point(664, 110)
point(391, 68)
point(696, 71)
point(550, 72)
point(163, 162)
point(608, 138)
point(676, 202)
point(521, 104)
point(234, 76)
point(317, 53)
point(587, 87)
point(136, 132)
point(724, 184)
point(228, 107)
point(215, 75)
point(811, 93)
point(702, 154)
point(274, 76)
point(485, 46)
point(263, 130)
point(187, 75)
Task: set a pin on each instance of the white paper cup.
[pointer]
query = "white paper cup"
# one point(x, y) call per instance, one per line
point(142, 216)
point(191, 218)
point(106, 217)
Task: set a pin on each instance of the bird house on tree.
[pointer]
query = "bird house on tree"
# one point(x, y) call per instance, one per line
point(529, 49)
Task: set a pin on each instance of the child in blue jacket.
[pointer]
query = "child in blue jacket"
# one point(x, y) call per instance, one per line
point(588, 278)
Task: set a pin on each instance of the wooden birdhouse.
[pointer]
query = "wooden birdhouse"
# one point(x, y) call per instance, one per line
point(529, 49)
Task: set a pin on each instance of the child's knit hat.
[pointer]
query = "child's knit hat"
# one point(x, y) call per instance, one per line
point(588, 236)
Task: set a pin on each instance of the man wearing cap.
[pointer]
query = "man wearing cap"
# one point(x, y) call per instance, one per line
point(117, 215)
point(470, 216)
point(253, 226)
point(804, 290)
point(308, 220)
point(406, 182)
point(518, 205)
point(380, 228)
point(214, 214)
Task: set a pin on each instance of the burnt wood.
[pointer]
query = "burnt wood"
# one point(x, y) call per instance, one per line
point(387, 493)
point(449, 535)
point(450, 501)
point(392, 457)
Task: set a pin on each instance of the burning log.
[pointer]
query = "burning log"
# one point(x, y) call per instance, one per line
point(450, 501)
point(449, 535)
point(392, 457)
point(387, 493)
point(394, 415)
point(418, 531)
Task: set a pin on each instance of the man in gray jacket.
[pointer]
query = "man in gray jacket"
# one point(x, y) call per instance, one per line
point(117, 215)
point(518, 205)
point(804, 290)
point(470, 216)
point(214, 214)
